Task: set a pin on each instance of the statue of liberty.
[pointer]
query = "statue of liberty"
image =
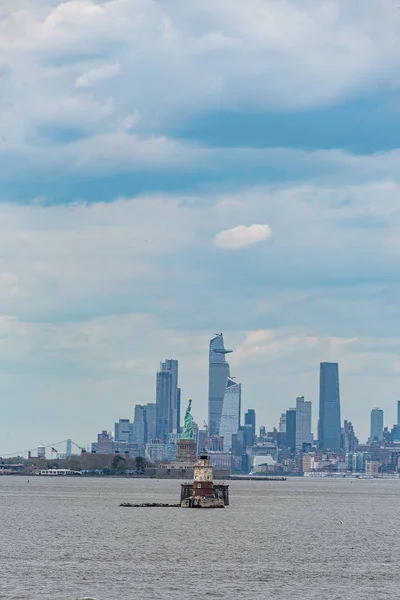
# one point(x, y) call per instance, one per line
point(187, 433)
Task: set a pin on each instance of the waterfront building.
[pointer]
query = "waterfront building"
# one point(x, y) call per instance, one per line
point(250, 419)
point(303, 423)
point(139, 427)
point(218, 377)
point(329, 428)
point(376, 425)
point(155, 451)
point(230, 414)
point(307, 463)
point(104, 443)
point(220, 460)
point(291, 429)
point(372, 467)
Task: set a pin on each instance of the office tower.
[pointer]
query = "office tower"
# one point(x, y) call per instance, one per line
point(230, 414)
point(217, 379)
point(291, 429)
point(139, 427)
point(398, 412)
point(202, 436)
point(329, 429)
point(303, 423)
point(163, 401)
point(122, 430)
point(376, 425)
point(178, 420)
point(263, 432)
point(282, 423)
point(151, 420)
point(350, 441)
point(250, 419)
point(171, 366)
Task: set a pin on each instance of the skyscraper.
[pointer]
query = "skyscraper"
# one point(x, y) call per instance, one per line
point(329, 429)
point(218, 377)
point(122, 430)
point(230, 414)
point(250, 419)
point(303, 422)
point(376, 425)
point(171, 366)
point(139, 428)
point(151, 420)
point(163, 401)
point(291, 429)
point(282, 423)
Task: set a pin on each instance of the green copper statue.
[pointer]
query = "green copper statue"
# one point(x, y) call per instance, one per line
point(188, 424)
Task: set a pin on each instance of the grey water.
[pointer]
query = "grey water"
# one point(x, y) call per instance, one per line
point(62, 539)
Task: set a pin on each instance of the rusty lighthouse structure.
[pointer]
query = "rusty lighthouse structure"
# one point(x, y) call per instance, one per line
point(202, 493)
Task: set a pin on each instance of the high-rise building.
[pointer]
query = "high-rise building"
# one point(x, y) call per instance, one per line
point(163, 401)
point(250, 419)
point(167, 399)
point(329, 428)
point(151, 420)
point(122, 430)
point(282, 423)
point(218, 377)
point(376, 425)
point(178, 422)
point(139, 427)
point(350, 441)
point(303, 422)
point(291, 429)
point(171, 366)
point(230, 414)
point(398, 412)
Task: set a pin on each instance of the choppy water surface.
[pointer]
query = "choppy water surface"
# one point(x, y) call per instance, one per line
point(62, 539)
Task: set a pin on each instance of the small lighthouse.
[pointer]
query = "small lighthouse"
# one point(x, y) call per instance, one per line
point(203, 493)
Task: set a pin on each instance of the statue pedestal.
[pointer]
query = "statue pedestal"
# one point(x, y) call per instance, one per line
point(186, 452)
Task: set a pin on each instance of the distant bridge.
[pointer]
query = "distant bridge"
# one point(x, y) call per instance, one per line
point(65, 448)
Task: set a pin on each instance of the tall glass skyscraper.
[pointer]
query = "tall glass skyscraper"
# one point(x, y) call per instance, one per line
point(376, 425)
point(291, 429)
point(217, 380)
point(230, 415)
point(329, 430)
point(303, 422)
point(171, 366)
point(163, 401)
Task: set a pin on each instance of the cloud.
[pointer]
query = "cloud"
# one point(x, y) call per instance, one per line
point(236, 57)
point(242, 236)
point(98, 74)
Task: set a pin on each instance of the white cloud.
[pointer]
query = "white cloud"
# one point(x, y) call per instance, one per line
point(98, 74)
point(241, 236)
point(258, 55)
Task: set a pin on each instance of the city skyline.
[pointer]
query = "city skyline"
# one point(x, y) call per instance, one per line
point(300, 427)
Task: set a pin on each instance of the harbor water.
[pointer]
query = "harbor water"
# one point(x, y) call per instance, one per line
point(302, 539)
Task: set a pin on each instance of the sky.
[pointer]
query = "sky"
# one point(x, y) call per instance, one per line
point(169, 170)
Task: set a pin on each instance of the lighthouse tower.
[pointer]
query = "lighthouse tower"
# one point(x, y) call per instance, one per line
point(203, 478)
point(202, 493)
